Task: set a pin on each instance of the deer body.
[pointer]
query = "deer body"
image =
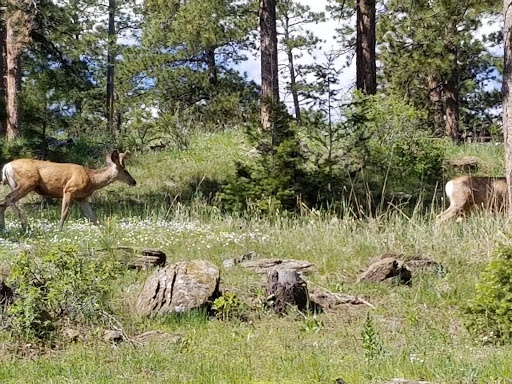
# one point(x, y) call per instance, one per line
point(467, 192)
point(70, 182)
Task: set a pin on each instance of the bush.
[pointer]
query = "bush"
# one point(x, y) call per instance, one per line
point(61, 286)
point(489, 313)
point(379, 149)
point(275, 176)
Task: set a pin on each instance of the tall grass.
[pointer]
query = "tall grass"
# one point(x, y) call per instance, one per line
point(420, 328)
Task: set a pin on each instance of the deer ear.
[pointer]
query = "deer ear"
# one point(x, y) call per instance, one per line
point(114, 157)
point(107, 158)
point(122, 158)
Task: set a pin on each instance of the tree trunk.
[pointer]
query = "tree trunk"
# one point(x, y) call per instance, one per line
point(13, 50)
point(366, 67)
point(212, 67)
point(293, 86)
point(111, 56)
point(17, 35)
point(451, 92)
point(287, 288)
point(291, 68)
point(435, 95)
point(507, 97)
point(269, 68)
point(3, 101)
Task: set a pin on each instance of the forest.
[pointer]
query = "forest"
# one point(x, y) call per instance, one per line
point(282, 212)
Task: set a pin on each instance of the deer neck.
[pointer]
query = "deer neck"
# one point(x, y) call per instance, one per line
point(102, 177)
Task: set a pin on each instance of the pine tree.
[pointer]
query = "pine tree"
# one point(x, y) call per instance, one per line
point(429, 52)
point(293, 19)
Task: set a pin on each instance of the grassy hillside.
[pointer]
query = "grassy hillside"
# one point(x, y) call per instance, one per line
point(417, 332)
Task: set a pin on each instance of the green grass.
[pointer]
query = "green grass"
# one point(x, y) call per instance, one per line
point(420, 328)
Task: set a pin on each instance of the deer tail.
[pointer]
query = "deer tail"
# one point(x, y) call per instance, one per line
point(8, 176)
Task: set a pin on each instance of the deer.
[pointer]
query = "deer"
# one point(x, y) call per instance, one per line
point(67, 181)
point(468, 192)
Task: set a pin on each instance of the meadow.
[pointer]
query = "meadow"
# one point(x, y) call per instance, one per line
point(416, 332)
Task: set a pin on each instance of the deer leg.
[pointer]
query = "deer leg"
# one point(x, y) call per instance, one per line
point(86, 207)
point(66, 205)
point(10, 200)
point(446, 215)
point(21, 218)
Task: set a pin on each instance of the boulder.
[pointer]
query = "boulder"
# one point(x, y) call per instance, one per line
point(178, 288)
point(388, 269)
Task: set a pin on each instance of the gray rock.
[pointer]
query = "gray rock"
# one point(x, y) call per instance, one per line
point(178, 288)
point(113, 336)
point(230, 263)
point(331, 300)
point(265, 265)
point(388, 269)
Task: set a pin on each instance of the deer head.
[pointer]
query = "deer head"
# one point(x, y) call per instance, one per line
point(119, 161)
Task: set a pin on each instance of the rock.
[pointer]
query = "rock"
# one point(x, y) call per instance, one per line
point(178, 288)
point(388, 269)
point(71, 333)
point(266, 265)
point(286, 288)
point(113, 336)
point(149, 337)
point(414, 263)
point(329, 300)
point(148, 258)
point(423, 264)
point(139, 258)
point(230, 263)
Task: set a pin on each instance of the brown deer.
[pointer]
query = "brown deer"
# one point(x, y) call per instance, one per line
point(467, 192)
point(60, 180)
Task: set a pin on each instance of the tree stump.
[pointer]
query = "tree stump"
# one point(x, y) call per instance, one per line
point(286, 288)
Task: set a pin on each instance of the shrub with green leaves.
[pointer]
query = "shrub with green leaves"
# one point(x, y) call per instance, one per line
point(228, 306)
point(489, 313)
point(61, 285)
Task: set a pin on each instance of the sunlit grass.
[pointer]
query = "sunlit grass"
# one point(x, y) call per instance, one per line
point(421, 327)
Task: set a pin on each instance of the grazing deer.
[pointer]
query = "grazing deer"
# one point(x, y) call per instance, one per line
point(466, 192)
point(61, 180)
